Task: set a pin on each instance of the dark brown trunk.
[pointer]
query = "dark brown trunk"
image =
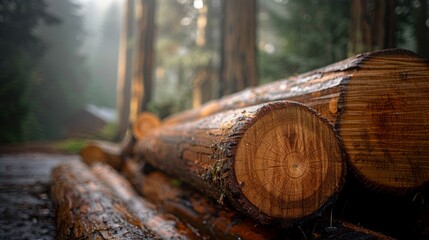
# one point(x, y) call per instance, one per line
point(278, 160)
point(238, 53)
point(379, 104)
point(372, 26)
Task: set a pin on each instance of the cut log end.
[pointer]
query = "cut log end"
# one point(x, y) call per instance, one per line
point(289, 163)
point(384, 121)
point(92, 154)
point(145, 122)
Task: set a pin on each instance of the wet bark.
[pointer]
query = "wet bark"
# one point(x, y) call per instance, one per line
point(85, 209)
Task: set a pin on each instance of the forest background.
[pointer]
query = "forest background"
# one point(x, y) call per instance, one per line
point(57, 57)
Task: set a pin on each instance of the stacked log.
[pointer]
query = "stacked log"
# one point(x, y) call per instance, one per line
point(87, 210)
point(101, 151)
point(100, 204)
point(275, 161)
point(379, 104)
point(274, 154)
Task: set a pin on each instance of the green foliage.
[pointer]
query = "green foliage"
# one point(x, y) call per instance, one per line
point(109, 131)
point(72, 146)
point(19, 49)
point(41, 75)
point(307, 34)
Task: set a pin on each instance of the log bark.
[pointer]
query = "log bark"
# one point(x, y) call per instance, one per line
point(144, 123)
point(275, 161)
point(379, 104)
point(163, 224)
point(104, 152)
point(174, 197)
point(85, 209)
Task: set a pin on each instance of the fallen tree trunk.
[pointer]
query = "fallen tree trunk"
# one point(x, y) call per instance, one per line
point(379, 103)
point(165, 225)
point(273, 161)
point(98, 151)
point(87, 210)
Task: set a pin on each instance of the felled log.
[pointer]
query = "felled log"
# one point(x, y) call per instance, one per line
point(145, 122)
point(85, 209)
point(164, 225)
point(379, 103)
point(99, 151)
point(279, 160)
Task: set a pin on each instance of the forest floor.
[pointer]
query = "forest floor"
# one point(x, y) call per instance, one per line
point(26, 211)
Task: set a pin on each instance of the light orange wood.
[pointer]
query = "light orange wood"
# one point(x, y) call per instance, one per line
point(145, 123)
point(378, 102)
point(99, 151)
point(278, 160)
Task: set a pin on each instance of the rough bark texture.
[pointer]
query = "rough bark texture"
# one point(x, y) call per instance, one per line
point(190, 206)
point(164, 225)
point(378, 102)
point(98, 151)
point(144, 123)
point(278, 160)
point(85, 209)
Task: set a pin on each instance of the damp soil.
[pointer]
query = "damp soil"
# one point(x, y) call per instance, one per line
point(26, 210)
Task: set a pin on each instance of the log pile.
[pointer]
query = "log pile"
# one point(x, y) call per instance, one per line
point(292, 159)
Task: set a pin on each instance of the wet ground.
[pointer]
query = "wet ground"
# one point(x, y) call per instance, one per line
point(25, 207)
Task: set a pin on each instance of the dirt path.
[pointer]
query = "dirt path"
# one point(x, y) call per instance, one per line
point(26, 210)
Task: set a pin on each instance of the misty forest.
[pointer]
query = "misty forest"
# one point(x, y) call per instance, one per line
point(59, 59)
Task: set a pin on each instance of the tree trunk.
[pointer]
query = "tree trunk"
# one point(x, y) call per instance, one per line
point(238, 50)
point(372, 26)
point(125, 69)
point(142, 81)
point(102, 152)
point(421, 30)
point(164, 225)
point(379, 104)
point(273, 161)
point(85, 209)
